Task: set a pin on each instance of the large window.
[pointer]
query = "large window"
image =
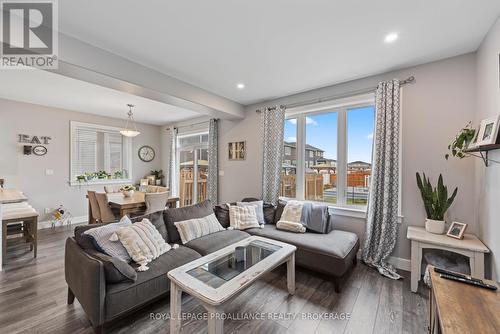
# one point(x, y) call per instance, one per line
point(332, 144)
point(193, 167)
point(99, 154)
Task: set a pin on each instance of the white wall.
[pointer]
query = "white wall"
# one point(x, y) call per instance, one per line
point(488, 179)
point(27, 172)
point(434, 108)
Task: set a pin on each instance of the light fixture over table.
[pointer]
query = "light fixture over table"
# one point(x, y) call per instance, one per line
point(132, 132)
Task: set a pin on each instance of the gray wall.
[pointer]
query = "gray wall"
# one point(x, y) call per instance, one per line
point(434, 108)
point(27, 173)
point(488, 179)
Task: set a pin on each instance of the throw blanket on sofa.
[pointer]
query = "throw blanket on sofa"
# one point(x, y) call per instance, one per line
point(142, 241)
point(307, 215)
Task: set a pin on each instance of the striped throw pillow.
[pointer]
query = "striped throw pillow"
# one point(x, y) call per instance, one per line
point(243, 217)
point(100, 236)
point(195, 228)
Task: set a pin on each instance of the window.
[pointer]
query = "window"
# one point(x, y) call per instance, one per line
point(336, 138)
point(99, 154)
point(193, 167)
point(289, 166)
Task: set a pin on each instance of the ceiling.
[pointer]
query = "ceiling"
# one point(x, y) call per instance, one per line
point(54, 90)
point(278, 47)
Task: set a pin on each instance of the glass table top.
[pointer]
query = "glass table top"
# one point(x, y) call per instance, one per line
point(219, 271)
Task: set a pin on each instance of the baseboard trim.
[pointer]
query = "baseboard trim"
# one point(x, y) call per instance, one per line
point(75, 220)
point(398, 262)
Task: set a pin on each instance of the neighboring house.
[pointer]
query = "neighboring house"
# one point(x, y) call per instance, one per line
point(359, 165)
point(313, 154)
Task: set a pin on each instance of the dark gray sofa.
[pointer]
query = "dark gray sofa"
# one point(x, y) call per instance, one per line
point(332, 254)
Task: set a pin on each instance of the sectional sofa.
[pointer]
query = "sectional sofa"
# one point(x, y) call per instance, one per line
point(104, 299)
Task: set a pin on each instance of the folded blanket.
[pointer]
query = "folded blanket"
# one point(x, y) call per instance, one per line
point(290, 226)
point(315, 217)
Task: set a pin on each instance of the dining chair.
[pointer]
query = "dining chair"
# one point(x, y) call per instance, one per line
point(152, 189)
point(112, 189)
point(94, 207)
point(107, 215)
point(155, 202)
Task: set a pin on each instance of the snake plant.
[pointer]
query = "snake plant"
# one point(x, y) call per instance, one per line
point(436, 201)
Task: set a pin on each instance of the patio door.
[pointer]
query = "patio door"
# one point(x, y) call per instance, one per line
point(193, 168)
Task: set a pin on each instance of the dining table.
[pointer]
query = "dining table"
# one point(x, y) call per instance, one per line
point(131, 204)
point(8, 196)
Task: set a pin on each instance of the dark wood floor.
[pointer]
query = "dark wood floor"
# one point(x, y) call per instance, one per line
point(33, 300)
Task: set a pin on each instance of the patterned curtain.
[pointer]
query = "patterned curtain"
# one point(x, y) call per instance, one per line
point(382, 218)
point(273, 124)
point(173, 180)
point(213, 162)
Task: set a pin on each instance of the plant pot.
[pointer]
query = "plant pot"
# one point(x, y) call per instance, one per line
point(434, 226)
point(128, 193)
point(158, 182)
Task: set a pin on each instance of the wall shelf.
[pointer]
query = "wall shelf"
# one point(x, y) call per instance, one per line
point(483, 151)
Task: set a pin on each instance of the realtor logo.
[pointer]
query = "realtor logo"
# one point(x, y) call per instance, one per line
point(29, 34)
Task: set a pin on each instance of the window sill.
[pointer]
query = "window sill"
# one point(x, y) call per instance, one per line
point(353, 211)
point(99, 182)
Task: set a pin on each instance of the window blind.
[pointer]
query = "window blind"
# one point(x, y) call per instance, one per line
point(84, 151)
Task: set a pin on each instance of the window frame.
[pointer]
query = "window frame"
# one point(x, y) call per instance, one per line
point(341, 107)
point(126, 160)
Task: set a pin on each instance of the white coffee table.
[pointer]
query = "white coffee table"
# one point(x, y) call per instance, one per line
point(217, 278)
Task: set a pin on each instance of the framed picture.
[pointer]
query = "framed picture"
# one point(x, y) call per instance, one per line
point(456, 230)
point(237, 150)
point(488, 131)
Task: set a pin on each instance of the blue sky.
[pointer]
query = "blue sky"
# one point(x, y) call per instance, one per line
point(321, 132)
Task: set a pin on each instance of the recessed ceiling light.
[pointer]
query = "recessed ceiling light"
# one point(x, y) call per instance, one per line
point(240, 85)
point(392, 37)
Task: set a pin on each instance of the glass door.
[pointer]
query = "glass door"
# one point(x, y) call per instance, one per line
point(193, 168)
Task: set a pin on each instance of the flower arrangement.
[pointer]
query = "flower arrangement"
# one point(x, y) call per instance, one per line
point(127, 187)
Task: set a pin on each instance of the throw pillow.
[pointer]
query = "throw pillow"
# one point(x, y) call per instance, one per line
point(83, 240)
point(269, 210)
point(156, 218)
point(259, 209)
point(101, 240)
point(243, 217)
point(171, 216)
point(142, 241)
point(290, 226)
point(115, 270)
point(279, 211)
point(222, 214)
point(195, 228)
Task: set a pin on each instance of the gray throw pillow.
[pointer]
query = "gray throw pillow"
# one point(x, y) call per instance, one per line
point(259, 209)
point(115, 270)
point(101, 237)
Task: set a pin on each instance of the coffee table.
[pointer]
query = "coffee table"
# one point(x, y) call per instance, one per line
point(217, 278)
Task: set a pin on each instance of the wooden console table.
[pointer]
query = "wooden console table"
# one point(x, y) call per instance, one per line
point(470, 246)
point(8, 196)
point(461, 308)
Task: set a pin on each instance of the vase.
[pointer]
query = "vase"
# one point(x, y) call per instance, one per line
point(158, 182)
point(128, 193)
point(434, 226)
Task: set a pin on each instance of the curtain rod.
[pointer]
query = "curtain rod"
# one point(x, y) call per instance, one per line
point(188, 125)
point(410, 79)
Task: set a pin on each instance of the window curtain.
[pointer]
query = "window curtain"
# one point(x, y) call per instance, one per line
point(382, 218)
point(273, 124)
point(213, 162)
point(173, 180)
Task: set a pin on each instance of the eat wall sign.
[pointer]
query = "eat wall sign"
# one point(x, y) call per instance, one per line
point(35, 140)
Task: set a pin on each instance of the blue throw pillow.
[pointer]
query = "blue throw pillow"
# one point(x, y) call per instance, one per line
point(259, 209)
point(101, 235)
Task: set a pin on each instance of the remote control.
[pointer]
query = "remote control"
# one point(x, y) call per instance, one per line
point(452, 273)
point(463, 280)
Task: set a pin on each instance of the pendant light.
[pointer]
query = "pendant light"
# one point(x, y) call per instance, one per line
point(132, 132)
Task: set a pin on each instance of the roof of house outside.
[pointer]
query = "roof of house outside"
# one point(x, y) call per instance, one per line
point(359, 163)
point(308, 147)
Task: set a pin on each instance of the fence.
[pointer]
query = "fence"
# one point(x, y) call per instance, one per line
point(186, 189)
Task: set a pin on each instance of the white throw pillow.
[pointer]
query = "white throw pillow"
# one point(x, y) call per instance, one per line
point(243, 217)
point(101, 235)
point(259, 209)
point(195, 228)
point(142, 241)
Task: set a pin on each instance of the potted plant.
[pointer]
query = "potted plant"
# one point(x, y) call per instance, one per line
point(436, 203)
point(127, 190)
point(81, 178)
point(101, 175)
point(461, 142)
point(158, 174)
point(118, 174)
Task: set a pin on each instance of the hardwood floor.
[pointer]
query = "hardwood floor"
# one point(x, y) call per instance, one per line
point(33, 300)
